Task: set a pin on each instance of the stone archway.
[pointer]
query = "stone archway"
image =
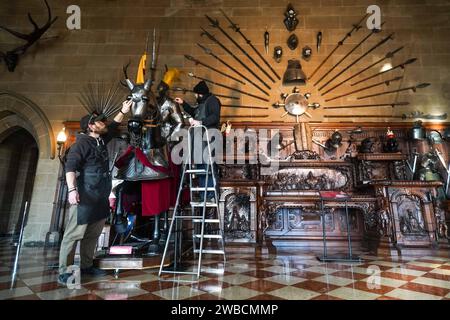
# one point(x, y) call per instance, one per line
point(17, 112)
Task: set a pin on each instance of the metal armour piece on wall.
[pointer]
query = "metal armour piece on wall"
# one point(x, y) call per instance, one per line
point(292, 42)
point(277, 54)
point(306, 53)
point(291, 20)
point(418, 131)
point(294, 74)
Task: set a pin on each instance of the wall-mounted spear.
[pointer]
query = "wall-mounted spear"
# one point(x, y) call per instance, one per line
point(412, 115)
point(389, 55)
point(379, 44)
point(198, 62)
point(356, 28)
point(184, 90)
point(214, 39)
point(209, 51)
point(372, 32)
point(413, 88)
point(236, 28)
point(402, 66)
point(190, 74)
point(243, 116)
point(215, 24)
point(244, 107)
point(392, 105)
point(387, 83)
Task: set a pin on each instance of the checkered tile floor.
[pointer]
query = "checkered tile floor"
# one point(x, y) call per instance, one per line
point(244, 276)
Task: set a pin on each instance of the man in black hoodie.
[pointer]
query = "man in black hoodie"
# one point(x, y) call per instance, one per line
point(89, 185)
point(206, 113)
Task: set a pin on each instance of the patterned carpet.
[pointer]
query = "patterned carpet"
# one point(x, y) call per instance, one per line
point(244, 276)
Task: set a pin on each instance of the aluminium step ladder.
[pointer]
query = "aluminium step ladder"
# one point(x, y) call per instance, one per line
point(198, 211)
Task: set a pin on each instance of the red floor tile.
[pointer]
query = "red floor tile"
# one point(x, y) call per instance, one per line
point(350, 275)
point(325, 297)
point(363, 286)
point(397, 276)
point(316, 286)
point(262, 285)
point(266, 297)
point(436, 291)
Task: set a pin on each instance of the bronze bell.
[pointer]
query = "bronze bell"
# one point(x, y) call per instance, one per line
point(294, 74)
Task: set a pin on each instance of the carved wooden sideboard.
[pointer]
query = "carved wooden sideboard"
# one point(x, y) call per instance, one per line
point(281, 209)
point(410, 219)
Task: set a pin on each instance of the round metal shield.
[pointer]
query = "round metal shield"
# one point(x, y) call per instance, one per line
point(296, 104)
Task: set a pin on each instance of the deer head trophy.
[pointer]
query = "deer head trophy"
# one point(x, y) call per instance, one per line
point(11, 57)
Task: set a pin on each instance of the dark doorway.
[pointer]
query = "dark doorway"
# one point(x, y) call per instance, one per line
point(18, 160)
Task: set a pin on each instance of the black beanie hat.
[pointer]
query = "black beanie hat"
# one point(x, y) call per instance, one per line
point(90, 119)
point(201, 88)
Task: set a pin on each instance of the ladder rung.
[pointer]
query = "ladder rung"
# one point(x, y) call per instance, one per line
point(209, 236)
point(186, 217)
point(207, 220)
point(203, 189)
point(210, 251)
point(202, 204)
point(197, 171)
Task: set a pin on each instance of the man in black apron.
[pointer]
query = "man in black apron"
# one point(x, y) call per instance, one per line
point(206, 113)
point(89, 185)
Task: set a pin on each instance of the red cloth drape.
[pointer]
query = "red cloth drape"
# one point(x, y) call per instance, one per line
point(157, 195)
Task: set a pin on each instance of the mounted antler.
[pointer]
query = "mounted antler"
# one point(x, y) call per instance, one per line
point(12, 57)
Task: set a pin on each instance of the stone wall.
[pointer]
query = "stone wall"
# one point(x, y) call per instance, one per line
point(113, 32)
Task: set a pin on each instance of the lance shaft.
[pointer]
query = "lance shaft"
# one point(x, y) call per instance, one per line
point(379, 44)
point(356, 27)
point(410, 61)
point(236, 28)
point(209, 51)
point(423, 85)
point(243, 116)
point(176, 89)
point(227, 87)
point(387, 82)
point(215, 24)
point(388, 56)
point(244, 107)
point(372, 32)
point(392, 105)
point(196, 61)
point(213, 38)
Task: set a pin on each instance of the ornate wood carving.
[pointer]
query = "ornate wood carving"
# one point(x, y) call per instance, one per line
point(238, 212)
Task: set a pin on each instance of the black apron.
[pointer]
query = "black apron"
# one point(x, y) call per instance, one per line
point(94, 187)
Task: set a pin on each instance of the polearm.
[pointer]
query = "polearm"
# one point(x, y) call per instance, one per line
point(356, 28)
point(19, 245)
point(372, 32)
point(215, 24)
point(379, 44)
point(198, 62)
point(243, 116)
point(213, 38)
point(389, 55)
point(236, 28)
point(412, 115)
point(244, 107)
point(387, 83)
point(392, 105)
point(413, 88)
point(184, 90)
point(402, 65)
point(227, 87)
point(209, 51)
